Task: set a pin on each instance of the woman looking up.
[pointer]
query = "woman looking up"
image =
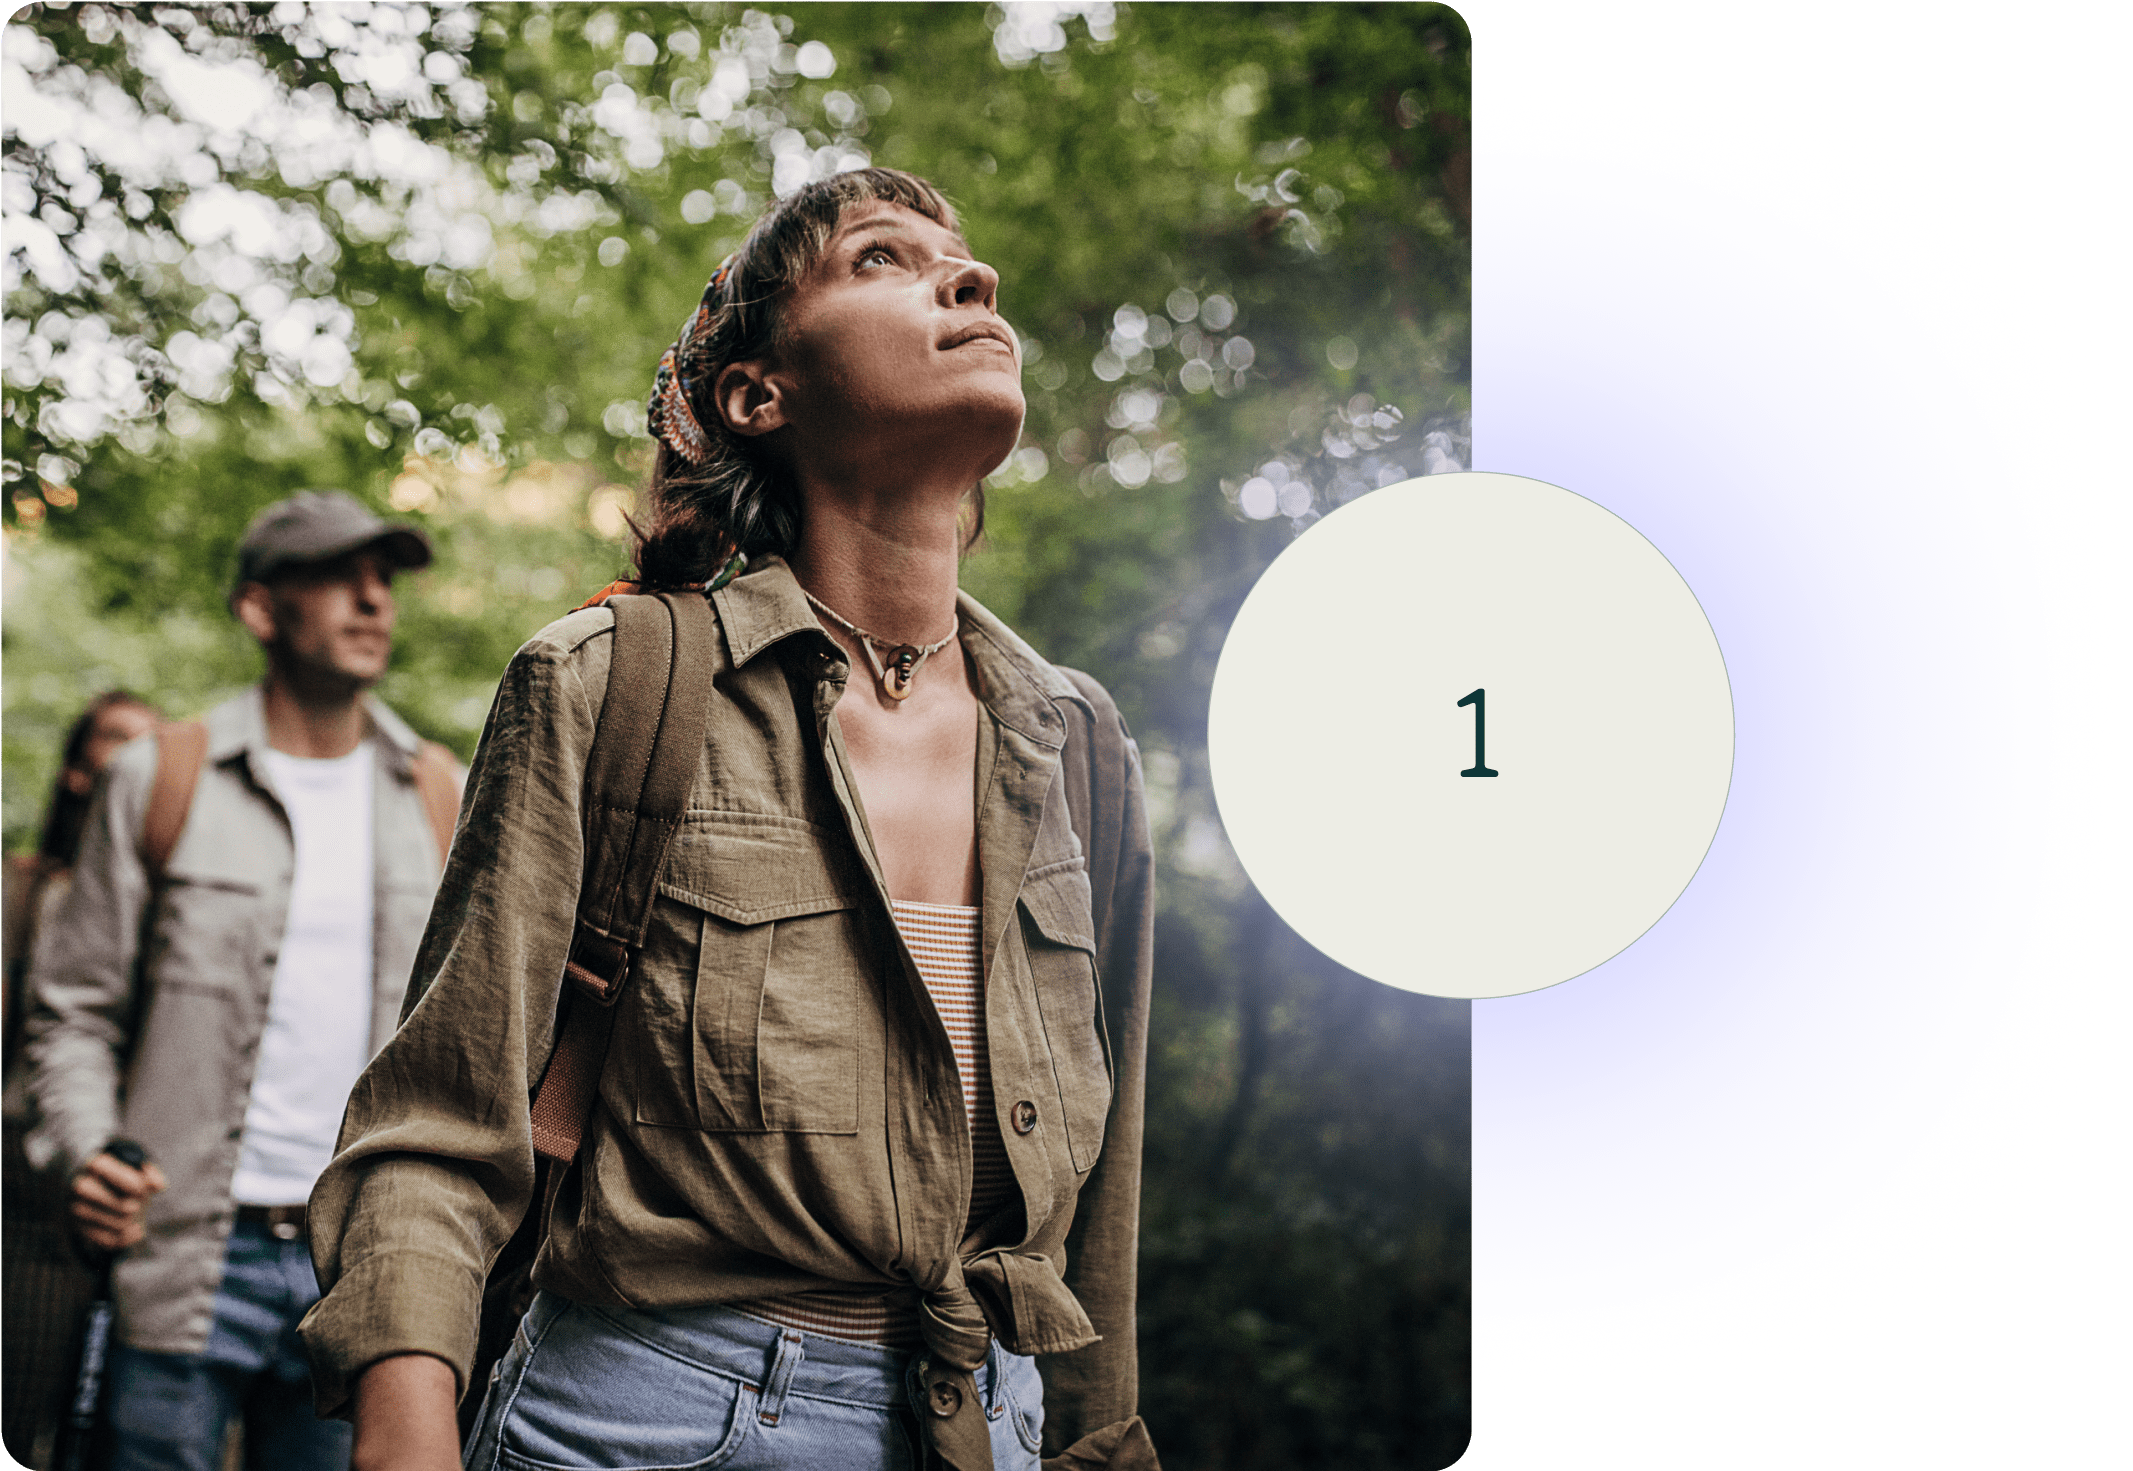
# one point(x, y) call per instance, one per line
point(883, 1044)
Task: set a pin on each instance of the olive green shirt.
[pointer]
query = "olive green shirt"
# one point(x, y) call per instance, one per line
point(780, 1109)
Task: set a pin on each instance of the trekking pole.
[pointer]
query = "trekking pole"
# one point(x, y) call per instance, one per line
point(78, 1430)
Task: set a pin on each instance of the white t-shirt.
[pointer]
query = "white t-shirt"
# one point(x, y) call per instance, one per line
point(317, 1038)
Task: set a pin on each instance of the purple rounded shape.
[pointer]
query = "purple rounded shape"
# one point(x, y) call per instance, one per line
point(1829, 433)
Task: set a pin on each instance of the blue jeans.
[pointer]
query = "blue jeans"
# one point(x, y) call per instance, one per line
point(170, 1412)
point(690, 1389)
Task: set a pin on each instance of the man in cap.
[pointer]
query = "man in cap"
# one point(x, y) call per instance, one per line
point(245, 911)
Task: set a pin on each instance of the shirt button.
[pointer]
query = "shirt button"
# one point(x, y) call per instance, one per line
point(945, 1400)
point(1025, 1116)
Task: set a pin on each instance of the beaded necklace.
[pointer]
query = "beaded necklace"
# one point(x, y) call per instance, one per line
point(904, 661)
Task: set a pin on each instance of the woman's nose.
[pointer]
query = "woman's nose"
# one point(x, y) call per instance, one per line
point(971, 283)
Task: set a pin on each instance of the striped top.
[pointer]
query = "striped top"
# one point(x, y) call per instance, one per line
point(943, 940)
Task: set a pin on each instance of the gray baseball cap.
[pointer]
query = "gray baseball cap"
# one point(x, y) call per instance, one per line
point(317, 526)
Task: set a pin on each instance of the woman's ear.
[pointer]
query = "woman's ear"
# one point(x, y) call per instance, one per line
point(750, 398)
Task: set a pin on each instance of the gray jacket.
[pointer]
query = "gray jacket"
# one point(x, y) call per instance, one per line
point(147, 1002)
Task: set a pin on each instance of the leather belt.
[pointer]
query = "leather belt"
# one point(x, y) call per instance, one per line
point(283, 1222)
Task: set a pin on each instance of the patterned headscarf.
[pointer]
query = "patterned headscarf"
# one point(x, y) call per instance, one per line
point(671, 414)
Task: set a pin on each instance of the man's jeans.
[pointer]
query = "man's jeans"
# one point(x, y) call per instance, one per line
point(710, 1387)
point(170, 1412)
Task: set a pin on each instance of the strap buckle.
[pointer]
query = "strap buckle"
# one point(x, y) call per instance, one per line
point(598, 965)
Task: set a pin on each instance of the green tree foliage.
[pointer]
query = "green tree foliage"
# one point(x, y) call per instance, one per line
point(432, 253)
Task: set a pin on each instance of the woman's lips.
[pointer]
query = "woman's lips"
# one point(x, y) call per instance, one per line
point(979, 337)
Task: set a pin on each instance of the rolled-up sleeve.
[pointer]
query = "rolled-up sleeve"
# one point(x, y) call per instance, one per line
point(81, 985)
point(435, 1167)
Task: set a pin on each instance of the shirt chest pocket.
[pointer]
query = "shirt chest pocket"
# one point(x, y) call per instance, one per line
point(214, 930)
point(1059, 936)
point(759, 1030)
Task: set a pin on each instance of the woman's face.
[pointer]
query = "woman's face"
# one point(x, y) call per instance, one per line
point(113, 726)
point(892, 345)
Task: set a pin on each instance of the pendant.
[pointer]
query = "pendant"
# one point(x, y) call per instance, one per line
point(898, 670)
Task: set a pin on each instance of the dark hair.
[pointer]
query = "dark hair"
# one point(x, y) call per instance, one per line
point(69, 810)
point(741, 499)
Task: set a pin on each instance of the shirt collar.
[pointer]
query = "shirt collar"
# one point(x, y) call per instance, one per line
point(240, 725)
point(764, 606)
point(1018, 685)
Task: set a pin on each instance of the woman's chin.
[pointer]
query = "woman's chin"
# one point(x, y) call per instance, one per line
point(956, 439)
point(986, 429)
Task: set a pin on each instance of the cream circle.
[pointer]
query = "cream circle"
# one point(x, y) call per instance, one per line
point(1392, 637)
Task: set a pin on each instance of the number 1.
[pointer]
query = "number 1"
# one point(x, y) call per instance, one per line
point(1479, 700)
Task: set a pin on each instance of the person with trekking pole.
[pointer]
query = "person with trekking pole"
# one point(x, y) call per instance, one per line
point(240, 928)
point(789, 983)
point(45, 1287)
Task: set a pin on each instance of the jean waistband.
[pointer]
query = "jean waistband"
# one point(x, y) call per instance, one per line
point(282, 1222)
point(721, 1340)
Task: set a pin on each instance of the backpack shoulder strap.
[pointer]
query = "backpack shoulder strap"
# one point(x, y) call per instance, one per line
point(436, 782)
point(181, 750)
point(637, 779)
